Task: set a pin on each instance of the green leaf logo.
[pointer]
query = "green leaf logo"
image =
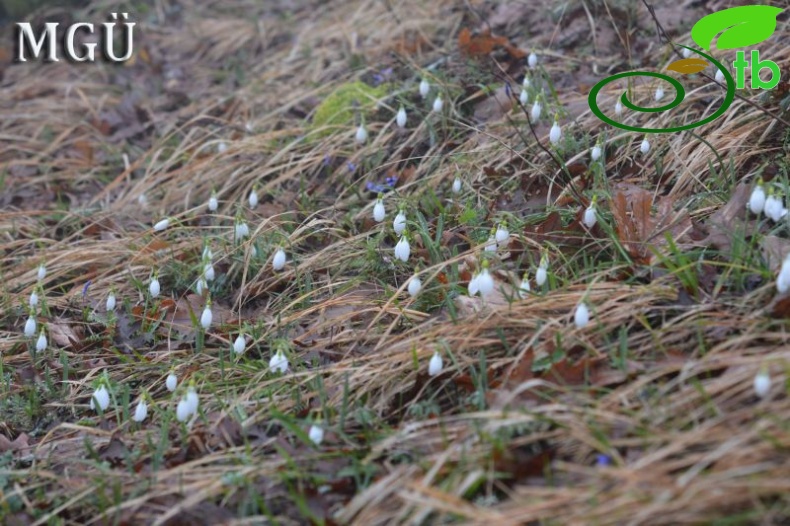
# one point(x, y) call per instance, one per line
point(739, 27)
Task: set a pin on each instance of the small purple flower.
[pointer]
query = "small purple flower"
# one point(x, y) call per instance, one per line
point(351, 166)
point(508, 90)
point(327, 159)
point(602, 460)
point(85, 289)
point(390, 181)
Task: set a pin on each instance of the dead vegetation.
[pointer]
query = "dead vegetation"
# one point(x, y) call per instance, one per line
point(647, 415)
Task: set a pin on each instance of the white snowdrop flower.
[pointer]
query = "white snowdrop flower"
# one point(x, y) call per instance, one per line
point(361, 135)
point(525, 83)
point(719, 75)
point(153, 287)
point(171, 382)
point(436, 364)
point(762, 383)
point(536, 109)
point(278, 261)
point(241, 230)
point(502, 234)
point(30, 326)
point(532, 60)
point(425, 87)
point(208, 271)
point(239, 344)
point(783, 279)
point(183, 410)
point(659, 94)
point(596, 152)
point(142, 200)
point(222, 147)
point(524, 288)
point(253, 198)
point(207, 255)
point(33, 299)
point(41, 343)
point(110, 303)
point(645, 146)
point(438, 104)
point(42, 272)
point(162, 225)
point(590, 218)
point(316, 434)
point(686, 53)
point(542, 273)
point(774, 207)
point(202, 286)
point(213, 204)
point(378, 210)
point(278, 363)
point(555, 133)
point(490, 244)
point(207, 317)
point(100, 399)
point(618, 108)
point(523, 97)
point(399, 223)
point(485, 282)
point(400, 118)
point(757, 199)
point(473, 285)
point(402, 249)
point(192, 399)
point(414, 286)
point(582, 315)
point(141, 411)
point(457, 186)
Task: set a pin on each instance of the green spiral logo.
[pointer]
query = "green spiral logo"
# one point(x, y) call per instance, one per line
point(680, 94)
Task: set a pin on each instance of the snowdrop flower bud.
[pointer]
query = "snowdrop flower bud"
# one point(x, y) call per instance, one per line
point(491, 242)
point(41, 343)
point(42, 272)
point(183, 410)
point(110, 304)
point(645, 146)
point(278, 363)
point(278, 261)
point(253, 198)
point(400, 119)
point(532, 60)
point(402, 249)
point(171, 382)
point(100, 399)
point(457, 186)
point(30, 326)
point(485, 282)
point(399, 223)
point(425, 87)
point(222, 147)
point(142, 200)
point(436, 364)
point(536, 109)
point(783, 279)
point(596, 152)
point(162, 225)
point(208, 271)
point(659, 94)
point(192, 399)
point(762, 383)
point(502, 235)
point(524, 288)
point(618, 108)
point(589, 215)
point(202, 285)
point(757, 199)
point(719, 75)
point(242, 230)
point(523, 97)
point(555, 133)
point(316, 434)
point(33, 298)
point(542, 272)
point(526, 83)
point(207, 317)
point(153, 287)
point(378, 210)
point(414, 286)
point(362, 134)
point(239, 344)
point(582, 316)
point(141, 411)
point(212, 202)
point(438, 104)
point(686, 53)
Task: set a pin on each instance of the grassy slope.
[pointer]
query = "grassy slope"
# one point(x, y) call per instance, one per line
point(220, 98)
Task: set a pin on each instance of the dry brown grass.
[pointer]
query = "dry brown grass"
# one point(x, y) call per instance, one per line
point(660, 381)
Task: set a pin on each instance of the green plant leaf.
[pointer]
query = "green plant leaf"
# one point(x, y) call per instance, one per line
point(739, 27)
